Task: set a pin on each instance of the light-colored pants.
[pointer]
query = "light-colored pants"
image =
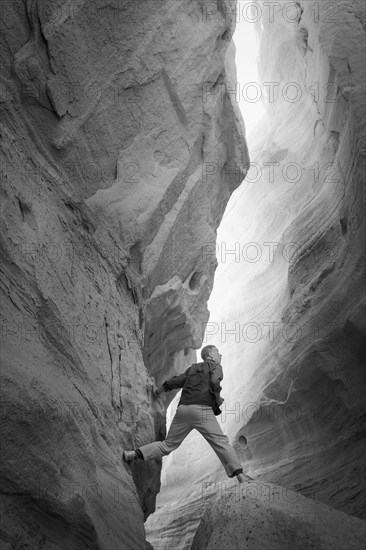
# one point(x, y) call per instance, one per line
point(201, 418)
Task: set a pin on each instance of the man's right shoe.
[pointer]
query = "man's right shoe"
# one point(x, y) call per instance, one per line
point(129, 456)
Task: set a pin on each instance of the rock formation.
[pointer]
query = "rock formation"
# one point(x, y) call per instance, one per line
point(118, 160)
point(262, 516)
point(122, 143)
point(291, 326)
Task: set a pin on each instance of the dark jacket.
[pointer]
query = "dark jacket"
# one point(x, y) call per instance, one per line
point(199, 387)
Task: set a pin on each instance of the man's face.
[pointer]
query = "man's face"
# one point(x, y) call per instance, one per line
point(215, 355)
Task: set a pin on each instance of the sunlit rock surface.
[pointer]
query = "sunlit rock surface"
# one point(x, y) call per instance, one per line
point(262, 516)
point(288, 306)
point(118, 160)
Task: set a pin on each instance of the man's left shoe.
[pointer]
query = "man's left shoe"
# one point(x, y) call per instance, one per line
point(242, 478)
point(129, 456)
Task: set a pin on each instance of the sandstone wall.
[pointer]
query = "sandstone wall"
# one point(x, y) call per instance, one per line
point(117, 163)
point(308, 430)
point(264, 516)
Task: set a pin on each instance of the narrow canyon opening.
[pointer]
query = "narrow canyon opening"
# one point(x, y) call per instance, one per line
point(247, 93)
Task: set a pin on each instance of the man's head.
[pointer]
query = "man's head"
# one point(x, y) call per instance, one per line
point(211, 352)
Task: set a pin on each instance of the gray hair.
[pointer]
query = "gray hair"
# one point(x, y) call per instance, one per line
point(205, 352)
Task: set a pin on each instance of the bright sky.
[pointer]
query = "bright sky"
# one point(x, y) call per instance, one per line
point(246, 44)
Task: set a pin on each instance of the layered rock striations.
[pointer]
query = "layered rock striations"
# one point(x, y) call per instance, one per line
point(307, 428)
point(291, 326)
point(118, 159)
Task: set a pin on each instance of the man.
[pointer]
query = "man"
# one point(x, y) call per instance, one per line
point(200, 396)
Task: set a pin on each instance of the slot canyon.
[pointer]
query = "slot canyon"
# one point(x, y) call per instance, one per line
point(142, 221)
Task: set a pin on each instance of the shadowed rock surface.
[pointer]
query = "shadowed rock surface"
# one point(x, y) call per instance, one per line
point(116, 168)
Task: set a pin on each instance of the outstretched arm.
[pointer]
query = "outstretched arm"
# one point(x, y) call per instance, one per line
point(173, 383)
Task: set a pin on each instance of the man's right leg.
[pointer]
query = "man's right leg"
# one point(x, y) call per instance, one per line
point(178, 431)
